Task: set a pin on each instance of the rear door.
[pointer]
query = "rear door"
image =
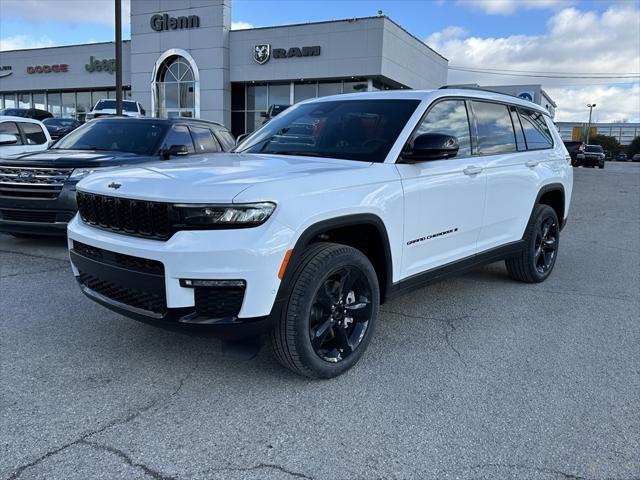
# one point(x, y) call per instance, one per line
point(444, 199)
point(35, 139)
point(515, 146)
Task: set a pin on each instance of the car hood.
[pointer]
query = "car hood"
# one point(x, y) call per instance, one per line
point(218, 178)
point(60, 158)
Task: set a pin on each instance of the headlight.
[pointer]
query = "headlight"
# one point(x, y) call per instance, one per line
point(241, 215)
point(80, 173)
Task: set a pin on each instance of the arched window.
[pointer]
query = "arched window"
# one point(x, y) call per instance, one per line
point(175, 88)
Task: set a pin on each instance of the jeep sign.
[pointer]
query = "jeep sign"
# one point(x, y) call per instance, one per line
point(164, 22)
point(95, 65)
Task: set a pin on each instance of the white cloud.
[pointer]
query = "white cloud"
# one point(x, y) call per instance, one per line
point(67, 11)
point(611, 47)
point(507, 7)
point(240, 25)
point(19, 42)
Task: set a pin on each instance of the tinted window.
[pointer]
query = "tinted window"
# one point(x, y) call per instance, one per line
point(60, 122)
point(495, 130)
point(140, 137)
point(594, 149)
point(33, 133)
point(10, 128)
point(517, 126)
point(536, 131)
point(179, 135)
point(449, 117)
point(204, 140)
point(226, 139)
point(363, 130)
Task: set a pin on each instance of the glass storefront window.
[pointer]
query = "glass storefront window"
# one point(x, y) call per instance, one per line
point(69, 105)
point(38, 101)
point(279, 94)
point(254, 121)
point(304, 91)
point(355, 86)
point(24, 100)
point(257, 97)
point(237, 96)
point(329, 88)
point(83, 105)
point(53, 104)
point(10, 100)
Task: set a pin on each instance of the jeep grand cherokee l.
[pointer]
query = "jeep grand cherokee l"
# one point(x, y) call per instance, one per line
point(304, 236)
point(38, 190)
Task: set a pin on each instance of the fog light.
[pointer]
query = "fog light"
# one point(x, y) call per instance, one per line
point(192, 283)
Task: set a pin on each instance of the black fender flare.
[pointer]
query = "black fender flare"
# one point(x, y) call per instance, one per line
point(551, 187)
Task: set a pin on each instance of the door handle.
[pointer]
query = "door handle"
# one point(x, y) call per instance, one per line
point(472, 170)
point(532, 163)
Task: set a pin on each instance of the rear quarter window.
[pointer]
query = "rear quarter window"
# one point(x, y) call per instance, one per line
point(536, 132)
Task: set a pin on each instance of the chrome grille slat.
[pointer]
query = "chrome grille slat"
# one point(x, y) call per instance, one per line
point(32, 182)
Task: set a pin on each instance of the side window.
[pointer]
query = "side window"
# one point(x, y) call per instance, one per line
point(449, 117)
point(226, 139)
point(179, 135)
point(204, 140)
point(33, 133)
point(518, 129)
point(10, 128)
point(495, 130)
point(535, 129)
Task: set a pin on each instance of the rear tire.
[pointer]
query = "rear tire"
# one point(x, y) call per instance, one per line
point(541, 240)
point(329, 318)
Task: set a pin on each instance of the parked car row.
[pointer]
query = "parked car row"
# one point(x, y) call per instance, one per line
point(37, 188)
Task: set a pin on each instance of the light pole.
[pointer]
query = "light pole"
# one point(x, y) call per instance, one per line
point(118, 13)
point(591, 107)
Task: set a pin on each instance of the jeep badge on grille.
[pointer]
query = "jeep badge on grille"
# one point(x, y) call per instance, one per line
point(114, 185)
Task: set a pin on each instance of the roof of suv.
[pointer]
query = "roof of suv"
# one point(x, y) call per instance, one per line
point(10, 118)
point(170, 121)
point(434, 94)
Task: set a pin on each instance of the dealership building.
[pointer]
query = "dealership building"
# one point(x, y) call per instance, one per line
point(188, 62)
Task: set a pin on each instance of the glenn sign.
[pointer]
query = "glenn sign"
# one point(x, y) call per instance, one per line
point(164, 22)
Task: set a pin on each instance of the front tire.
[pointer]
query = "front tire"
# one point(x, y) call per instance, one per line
point(329, 318)
point(541, 240)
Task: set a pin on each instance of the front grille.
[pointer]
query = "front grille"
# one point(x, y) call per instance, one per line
point(29, 182)
point(123, 215)
point(150, 301)
point(28, 216)
point(219, 302)
point(129, 262)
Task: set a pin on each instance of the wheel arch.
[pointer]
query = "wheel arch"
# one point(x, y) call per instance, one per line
point(336, 230)
point(553, 195)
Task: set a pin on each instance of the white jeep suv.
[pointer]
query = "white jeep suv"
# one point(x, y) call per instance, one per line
point(333, 207)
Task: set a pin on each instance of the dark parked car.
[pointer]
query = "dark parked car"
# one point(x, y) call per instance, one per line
point(621, 157)
point(575, 149)
point(34, 113)
point(636, 158)
point(59, 127)
point(593, 157)
point(37, 190)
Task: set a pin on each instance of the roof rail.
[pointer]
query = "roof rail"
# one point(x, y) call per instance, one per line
point(471, 87)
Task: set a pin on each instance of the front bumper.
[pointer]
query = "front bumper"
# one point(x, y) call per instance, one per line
point(253, 255)
point(588, 160)
point(38, 216)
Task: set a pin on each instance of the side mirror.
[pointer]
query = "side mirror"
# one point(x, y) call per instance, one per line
point(143, 112)
point(264, 114)
point(175, 150)
point(431, 146)
point(241, 138)
point(6, 139)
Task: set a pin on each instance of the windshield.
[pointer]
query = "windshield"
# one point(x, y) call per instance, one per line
point(140, 137)
point(594, 148)
point(127, 106)
point(59, 122)
point(363, 130)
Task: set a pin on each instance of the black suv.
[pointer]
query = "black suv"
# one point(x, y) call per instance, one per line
point(37, 190)
point(34, 113)
point(593, 156)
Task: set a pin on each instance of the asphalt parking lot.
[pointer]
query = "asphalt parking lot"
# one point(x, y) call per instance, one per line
point(475, 377)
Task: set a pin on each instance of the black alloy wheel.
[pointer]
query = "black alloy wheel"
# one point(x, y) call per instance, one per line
point(546, 245)
point(340, 314)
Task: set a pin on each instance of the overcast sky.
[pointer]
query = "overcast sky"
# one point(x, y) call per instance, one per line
point(507, 39)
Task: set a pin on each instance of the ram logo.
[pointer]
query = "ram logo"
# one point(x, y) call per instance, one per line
point(262, 53)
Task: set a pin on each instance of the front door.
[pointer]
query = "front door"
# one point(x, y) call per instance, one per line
point(444, 199)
